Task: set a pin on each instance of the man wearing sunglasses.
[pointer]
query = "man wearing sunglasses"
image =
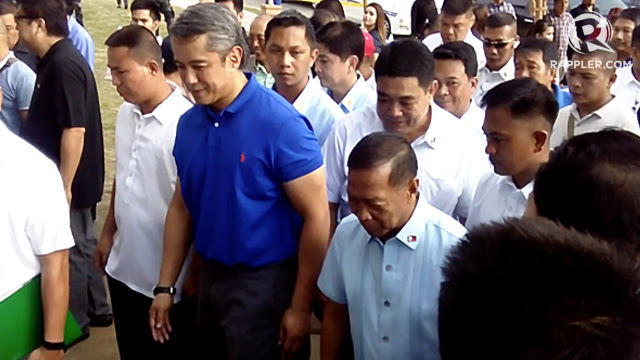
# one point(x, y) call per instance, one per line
point(500, 40)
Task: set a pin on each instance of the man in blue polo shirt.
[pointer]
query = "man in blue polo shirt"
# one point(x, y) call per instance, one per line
point(251, 193)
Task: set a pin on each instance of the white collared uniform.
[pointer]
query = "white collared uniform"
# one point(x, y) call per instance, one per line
point(359, 97)
point(627, 88)
point(474, 118)
point(145, 181)
point(451, 159)
point(371, 82)
point(488, 79)
point(314, 103)
point(613, 114)
point(434, 40)
point(497, 198)
point(34, 214)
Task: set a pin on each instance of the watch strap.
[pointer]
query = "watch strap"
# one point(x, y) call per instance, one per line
point(171, 290)
point(52, 346)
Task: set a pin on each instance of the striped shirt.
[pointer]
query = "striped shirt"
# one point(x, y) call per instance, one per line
point(562, 26)
point(494, 8)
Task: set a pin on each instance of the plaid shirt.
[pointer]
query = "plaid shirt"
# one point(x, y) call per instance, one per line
point(504, 7)
point(562, 26)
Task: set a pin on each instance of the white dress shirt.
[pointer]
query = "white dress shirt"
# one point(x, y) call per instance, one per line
point(488, 79)
point(613, 114)
point(496, 199)
point(627, 88)
point(314, 103)
point(391, 289)
point(451, 159)
point(359, 97)
point(434, 40)
point(474, 118)
point(34, 213)
point(145, 181)
point(372, 82)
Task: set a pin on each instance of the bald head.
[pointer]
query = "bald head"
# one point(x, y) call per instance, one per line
point(256, 35)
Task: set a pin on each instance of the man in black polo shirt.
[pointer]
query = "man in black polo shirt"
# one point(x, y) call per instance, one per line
point(64, 123)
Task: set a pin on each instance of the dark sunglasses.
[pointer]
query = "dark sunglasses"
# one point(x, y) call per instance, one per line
point(496, 44)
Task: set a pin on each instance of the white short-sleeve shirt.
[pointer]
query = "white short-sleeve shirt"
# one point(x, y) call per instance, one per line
point(496, 199)
point(488, 79)
point(34, 213)
point(434, 40)
point(614, 114)
point(360, 96)
point(451, 159)
point(627, 88)
point(145, 181)
point(474, 118)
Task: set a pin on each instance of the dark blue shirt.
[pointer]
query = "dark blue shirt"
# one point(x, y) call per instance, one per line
point(232, 166)
point(562, 97)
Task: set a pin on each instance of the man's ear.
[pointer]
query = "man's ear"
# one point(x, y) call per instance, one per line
point(314, 57)
point(353, 62)
point(234, 58)
point(474, 83)
point(541, 138)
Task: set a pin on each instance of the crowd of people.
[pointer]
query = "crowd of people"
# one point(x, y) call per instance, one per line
point(452, 195)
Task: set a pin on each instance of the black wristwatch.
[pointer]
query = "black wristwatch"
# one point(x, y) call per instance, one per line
point(52, 346)
point(171, 290)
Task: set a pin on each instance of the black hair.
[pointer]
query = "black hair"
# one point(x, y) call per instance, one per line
point(342, 38)
point(631, 14)
point(457, 7)
point(381, 148)
point(54, 13)
point(334, 6)
point(424, 14)
point(238, 5)
point(525, 98)
point(291, 18)
point(499, 20)
point(635, 37)
point(540, 26)
point(8, 7)
point(546, 47)
point(461, 51)
point(139, 40)
point(321, 18)
point(592, 183)
point(532, 289)
point(406, 58)
point(169, 65)
point(151, 5)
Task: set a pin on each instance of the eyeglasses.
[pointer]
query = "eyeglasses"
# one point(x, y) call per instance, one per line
point(497, 44)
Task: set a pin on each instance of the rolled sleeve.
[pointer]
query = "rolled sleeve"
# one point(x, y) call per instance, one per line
point(333, 154)
point(331, 280)
point(297, 152)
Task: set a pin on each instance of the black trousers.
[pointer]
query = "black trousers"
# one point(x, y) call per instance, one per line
point(166, 10)
point(240, 310)
point(133, 334)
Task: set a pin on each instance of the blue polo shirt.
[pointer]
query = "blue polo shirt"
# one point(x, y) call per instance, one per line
point(232, 166)
point(562, 96)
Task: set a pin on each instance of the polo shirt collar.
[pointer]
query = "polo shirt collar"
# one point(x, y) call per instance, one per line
point(431, 136)
point(626, 73)
point(350, 99)
point(307, 95)
point(413, 231)
point(525, 191)
point(163, 112)
point(237, 104)
point(6, 58)
point(507, 72)
point(60, 45)
point(608, 108)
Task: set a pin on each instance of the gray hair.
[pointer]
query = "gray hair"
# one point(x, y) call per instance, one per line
point(218, 23)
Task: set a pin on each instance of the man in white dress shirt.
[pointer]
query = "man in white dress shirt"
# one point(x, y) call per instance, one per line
point(341, 50)
point(290, 54)
point(131, 245)
point(450, 155)
point(456, 20)
point(627, 85)
point(594, 108)
point(520, 115)
point(500, 40)
point(382, 272)
point(36, 235)
point(456, 70)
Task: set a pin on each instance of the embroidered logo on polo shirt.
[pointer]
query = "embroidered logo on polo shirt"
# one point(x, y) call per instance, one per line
point(242, 158)
point(412, 238)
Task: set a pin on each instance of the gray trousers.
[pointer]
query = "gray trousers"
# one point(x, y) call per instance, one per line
point(240, 309)
point(88, 296)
